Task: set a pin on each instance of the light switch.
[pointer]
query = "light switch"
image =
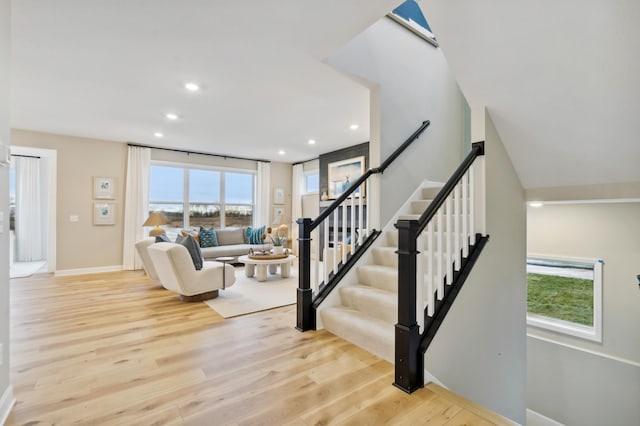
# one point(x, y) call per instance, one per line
point(74, 218)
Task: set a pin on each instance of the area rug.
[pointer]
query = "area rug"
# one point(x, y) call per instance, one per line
point(247, 295)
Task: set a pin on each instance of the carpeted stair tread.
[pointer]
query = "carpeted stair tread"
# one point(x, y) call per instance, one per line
point(378, 276)
point(372, 301)
point(372, 334)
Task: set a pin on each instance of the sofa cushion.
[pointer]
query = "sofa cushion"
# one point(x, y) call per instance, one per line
point(254, 235)
point(230, 235)
point(208, 237)
point(193, 248)
point(192, 232)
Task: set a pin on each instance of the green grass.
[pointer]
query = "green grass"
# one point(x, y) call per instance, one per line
point(568, 299)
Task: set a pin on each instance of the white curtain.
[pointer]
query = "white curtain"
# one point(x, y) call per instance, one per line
point(263, 194)
point(136, 204)
point(29, 242)
point(297, 189)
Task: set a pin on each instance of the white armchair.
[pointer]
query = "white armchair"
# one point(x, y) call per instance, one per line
point(176, 272)
point(142, 247)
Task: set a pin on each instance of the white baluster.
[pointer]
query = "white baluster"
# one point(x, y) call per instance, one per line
point(456, 207)
point(420, 281)
point(316, 262)
point(449, 258)
point(465, 199)
point(334, 266)
point(430, 272)
point(352, 227)
point(361, 237)
point(344, 232)
point(367, 224)
point(472, 216)
point(440, 258)
point(325, 257)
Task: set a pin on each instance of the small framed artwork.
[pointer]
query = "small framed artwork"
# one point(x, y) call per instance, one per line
point(278, 195)
point(342, 174)
point(104, 213)
point(278, 213)
point(103, 188)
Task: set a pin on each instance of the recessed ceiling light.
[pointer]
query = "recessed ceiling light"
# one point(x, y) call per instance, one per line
point(536, 204)
point(354, 127)
point(171, 116)
point(158, 135)
point(281, 152)
point(312, 141)
point(192, 87)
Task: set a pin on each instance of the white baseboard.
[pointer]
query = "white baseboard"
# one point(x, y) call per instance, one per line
point(537, 419)
point(84, 271)
point(6, 404)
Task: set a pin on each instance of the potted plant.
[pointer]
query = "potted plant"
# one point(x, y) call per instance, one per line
point(278, 242)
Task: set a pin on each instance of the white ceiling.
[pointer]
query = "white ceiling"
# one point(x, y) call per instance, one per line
point(561, 80)
point(112, 69)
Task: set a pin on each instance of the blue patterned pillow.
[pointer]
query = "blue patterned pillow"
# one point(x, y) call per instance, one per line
point(208, 237)
point(193, 248)
point(254, 235)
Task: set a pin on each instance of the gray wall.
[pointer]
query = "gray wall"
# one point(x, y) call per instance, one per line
point(479, 352)
point(5, 45)
point(411, 82)
point(567, 383)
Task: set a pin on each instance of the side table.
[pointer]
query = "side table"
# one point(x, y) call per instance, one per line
point(224, 260)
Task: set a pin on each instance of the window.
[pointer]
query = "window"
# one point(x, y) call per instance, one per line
point(565, 295)
point(312, 181)
point(194, 197)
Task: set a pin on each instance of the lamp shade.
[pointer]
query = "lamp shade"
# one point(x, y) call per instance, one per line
point(156, 219)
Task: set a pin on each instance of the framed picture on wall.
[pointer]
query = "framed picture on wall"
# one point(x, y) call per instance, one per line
point(104, 213)
point(278, 195)
point(342, 174)
point(278, 213)
point(104, 188)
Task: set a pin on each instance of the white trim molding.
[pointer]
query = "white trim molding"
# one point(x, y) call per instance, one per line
point(84, 271)
point(6, 404)
point(537, 419)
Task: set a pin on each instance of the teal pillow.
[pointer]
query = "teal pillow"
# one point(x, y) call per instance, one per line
point(254, 235)
point(193, 248)
point(208, 237)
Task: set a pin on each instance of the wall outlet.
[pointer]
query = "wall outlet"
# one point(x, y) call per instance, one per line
point(74, 218)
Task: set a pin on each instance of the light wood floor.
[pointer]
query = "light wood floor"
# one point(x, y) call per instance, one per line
point(118, 349)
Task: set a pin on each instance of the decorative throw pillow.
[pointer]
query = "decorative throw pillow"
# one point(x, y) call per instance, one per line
point(191, 232)
point(208, 237)
point(193, 248)
point(162, 238)
point(254, 235)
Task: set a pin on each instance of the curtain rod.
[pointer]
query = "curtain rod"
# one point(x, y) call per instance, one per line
point(25, 156)
point(304, 161)
point(199, 153)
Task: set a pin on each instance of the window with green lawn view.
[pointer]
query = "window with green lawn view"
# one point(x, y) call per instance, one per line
point(565, 295)
point(194, 197)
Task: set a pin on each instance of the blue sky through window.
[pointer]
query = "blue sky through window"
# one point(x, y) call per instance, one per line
point(204, 186)
point(166, 184)
point(410, 11)
point(238, 188)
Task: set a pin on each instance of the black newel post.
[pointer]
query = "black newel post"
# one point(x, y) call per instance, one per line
point(409, 366)
point(306, 319)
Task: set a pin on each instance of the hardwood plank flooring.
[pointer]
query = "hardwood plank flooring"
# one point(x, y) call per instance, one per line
point(118, 349)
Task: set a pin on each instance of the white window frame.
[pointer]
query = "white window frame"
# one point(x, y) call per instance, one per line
point(185, 189)
point(593, 333)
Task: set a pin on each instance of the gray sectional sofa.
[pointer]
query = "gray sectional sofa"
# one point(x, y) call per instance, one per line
point(231, 242)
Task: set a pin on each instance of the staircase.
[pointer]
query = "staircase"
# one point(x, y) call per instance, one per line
point(368, 309)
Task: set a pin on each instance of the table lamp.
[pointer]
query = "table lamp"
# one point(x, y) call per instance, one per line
point(156, 219)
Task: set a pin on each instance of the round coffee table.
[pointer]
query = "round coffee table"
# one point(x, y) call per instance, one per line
point(251, 265)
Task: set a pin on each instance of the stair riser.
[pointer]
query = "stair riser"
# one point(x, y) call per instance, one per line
point(384, 280)
point(383, 309)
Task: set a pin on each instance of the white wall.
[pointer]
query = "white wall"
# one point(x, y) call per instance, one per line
point(6, 395)
point(479, 352)
point(410, 82)
point(576, 381)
